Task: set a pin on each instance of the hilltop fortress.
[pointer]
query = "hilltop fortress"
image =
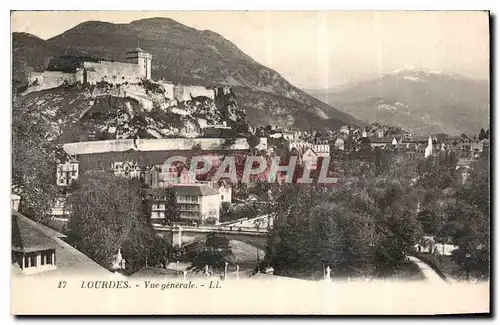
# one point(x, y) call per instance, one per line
point(136, 69)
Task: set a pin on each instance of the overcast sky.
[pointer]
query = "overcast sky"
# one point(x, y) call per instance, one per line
point(321, 49)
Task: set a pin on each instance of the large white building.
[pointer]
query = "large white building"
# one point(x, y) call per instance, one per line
point(197, 202)
point(321, 149)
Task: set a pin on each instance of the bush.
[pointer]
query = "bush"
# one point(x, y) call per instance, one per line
point(152, 87)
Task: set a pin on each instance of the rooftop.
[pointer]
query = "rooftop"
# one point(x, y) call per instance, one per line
point(29, 236)
point(70, 261)
point(194, 189)
point(136, 50)
point(381, 140)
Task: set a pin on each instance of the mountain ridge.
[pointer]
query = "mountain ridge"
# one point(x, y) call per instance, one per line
point(431, 101)
point(183, 54)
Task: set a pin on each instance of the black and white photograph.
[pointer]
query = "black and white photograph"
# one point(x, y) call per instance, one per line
point(250, 162)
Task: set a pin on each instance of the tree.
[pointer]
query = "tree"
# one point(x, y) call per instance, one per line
point(482, 134)
point(468, 221)
point(225, 211)
point(143, 247)
point(172, 208)
point(344, 239)
point(437, 177)
point(215, 252)
point(253, 141)
point(34, 161)
point(468, 229)
point(105, 209)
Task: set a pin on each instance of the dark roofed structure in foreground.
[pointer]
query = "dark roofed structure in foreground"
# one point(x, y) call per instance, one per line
point(26, 238)
point(37, 249)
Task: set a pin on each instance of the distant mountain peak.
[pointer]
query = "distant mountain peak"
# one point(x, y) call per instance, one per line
point(160, 22)
point(430, 101)
point(412, 70)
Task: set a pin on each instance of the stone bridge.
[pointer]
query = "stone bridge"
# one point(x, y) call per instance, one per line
point(185, 235)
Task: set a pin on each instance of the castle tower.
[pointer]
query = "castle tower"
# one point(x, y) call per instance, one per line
point(141, 58)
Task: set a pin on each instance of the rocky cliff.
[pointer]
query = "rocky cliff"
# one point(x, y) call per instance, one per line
point(104, 111)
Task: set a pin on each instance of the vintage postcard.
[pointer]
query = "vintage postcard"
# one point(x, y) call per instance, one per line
point(236, 163)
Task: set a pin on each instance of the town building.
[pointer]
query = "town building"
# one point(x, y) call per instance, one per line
point(188, 177)
point(14, 201)
point(345, 129)
point(485, 144)
point(128, 169)
point(197, 202)
point(217, 131)
point(178, 177)
point(60, 208)
point(32, 250)
point(320, 148)
point(67, 172)
point(466, 143)
point(310, 159)
point(288, 136)
point(382, 142)
point(339, 144)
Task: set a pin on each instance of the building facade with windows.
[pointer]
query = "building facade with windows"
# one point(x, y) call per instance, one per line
point(127, 169)
point(67, 172)
point(197, 202)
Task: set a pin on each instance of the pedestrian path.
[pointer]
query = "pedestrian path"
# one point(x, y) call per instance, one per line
point(429, 274)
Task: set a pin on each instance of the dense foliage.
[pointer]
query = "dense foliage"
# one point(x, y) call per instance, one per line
point(371, 224)
point(34, 162)
point(215, 253)
point(108, 213)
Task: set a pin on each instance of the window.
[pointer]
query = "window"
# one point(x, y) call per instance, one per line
point(49, 257)
point(222, 197)
point(30, 260)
